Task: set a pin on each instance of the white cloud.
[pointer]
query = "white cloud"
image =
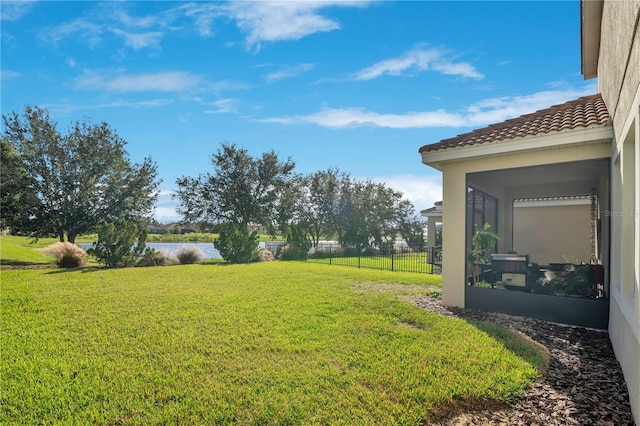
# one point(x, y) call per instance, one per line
point(261, 21)
point(68, 108)
point(165, 207)
point(495, 110)
point(80, 29)
point(168, 81)
point(151, 103)
point(121, 16)
point(418, 60)
point(283, 20)
point(288, 72)
point(14, 10)
point(6, 74)
point(98, 23)
point(140, 40)
point(422, 191)
point(354, 117)
point(204, 14)
point(166, 214)
point(223, 106)
point(488, 111)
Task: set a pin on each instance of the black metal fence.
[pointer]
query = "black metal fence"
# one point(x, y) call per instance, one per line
point(392, 258)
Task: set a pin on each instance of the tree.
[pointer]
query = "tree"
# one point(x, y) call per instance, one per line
point(236, 244)
point(318, 203)
point(371, 213)
point(79, 179)
point(119, 243)
point(242, 190)
point(16, 205)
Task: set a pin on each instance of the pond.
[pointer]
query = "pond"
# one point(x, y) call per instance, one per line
point(208, 249)
point(210, 252)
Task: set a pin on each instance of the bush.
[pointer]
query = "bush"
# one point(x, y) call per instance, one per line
point(265, 255)
point(68, 255)
point(189, 255)
point(298, 243)
point(237, 245)
point(292, 252)
point(119, 244)
point(152, 257)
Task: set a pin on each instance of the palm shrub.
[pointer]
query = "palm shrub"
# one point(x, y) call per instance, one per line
point(236, 244)
point(119, 244)
point(482, 241)
point(189, 255)
point(68, 255)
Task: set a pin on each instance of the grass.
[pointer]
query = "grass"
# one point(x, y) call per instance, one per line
point(268, 343)
point(19, 251)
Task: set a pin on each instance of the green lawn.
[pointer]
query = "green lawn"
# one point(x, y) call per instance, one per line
point(269, 343)
point(20, 251)
point(410, 262)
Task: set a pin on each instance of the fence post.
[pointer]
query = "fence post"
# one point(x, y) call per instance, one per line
point(359, 254)
point(330, 253)
point(393, 249)
point(434, 258)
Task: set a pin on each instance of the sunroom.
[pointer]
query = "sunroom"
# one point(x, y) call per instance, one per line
point(527, 226)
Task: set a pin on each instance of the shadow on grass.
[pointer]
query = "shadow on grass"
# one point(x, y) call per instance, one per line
point(21, 264)
point(517, 343)
point(11, 262)
point(84, 269)
point(94, 268)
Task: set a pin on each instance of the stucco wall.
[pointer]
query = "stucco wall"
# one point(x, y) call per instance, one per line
point(627, 349)
point(619, 83)
point(619, 63)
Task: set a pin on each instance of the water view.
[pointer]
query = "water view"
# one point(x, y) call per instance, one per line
point(210, 252)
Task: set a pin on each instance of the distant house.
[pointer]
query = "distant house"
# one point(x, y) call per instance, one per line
point(576, 163)
point(434, 221)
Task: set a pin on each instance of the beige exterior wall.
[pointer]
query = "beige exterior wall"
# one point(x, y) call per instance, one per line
point(552, 232)
point(627, 350)
point(619, 62)
point(619, 83)
point(454, 176)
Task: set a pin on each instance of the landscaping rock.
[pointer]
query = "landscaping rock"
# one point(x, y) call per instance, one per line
point(583, 386)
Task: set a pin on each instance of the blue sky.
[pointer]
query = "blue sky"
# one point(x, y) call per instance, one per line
point(356, 85)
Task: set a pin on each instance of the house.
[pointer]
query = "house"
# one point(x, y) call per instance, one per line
point(434, 221)
point(582, 157)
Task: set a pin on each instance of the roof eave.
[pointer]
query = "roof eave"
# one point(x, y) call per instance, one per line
point(590, 23)
point(553, 140)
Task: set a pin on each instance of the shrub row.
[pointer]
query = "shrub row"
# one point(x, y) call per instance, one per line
point(69, 255)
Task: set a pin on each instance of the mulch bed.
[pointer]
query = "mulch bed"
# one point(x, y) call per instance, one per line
point(583, 386)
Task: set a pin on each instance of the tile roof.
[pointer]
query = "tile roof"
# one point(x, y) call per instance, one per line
point(437, 208)
point(582, 112)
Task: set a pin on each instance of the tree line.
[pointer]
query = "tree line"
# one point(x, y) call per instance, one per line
point(69, 183)
point(243, 192)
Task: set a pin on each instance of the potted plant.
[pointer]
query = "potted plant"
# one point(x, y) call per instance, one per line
point(482, 242)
